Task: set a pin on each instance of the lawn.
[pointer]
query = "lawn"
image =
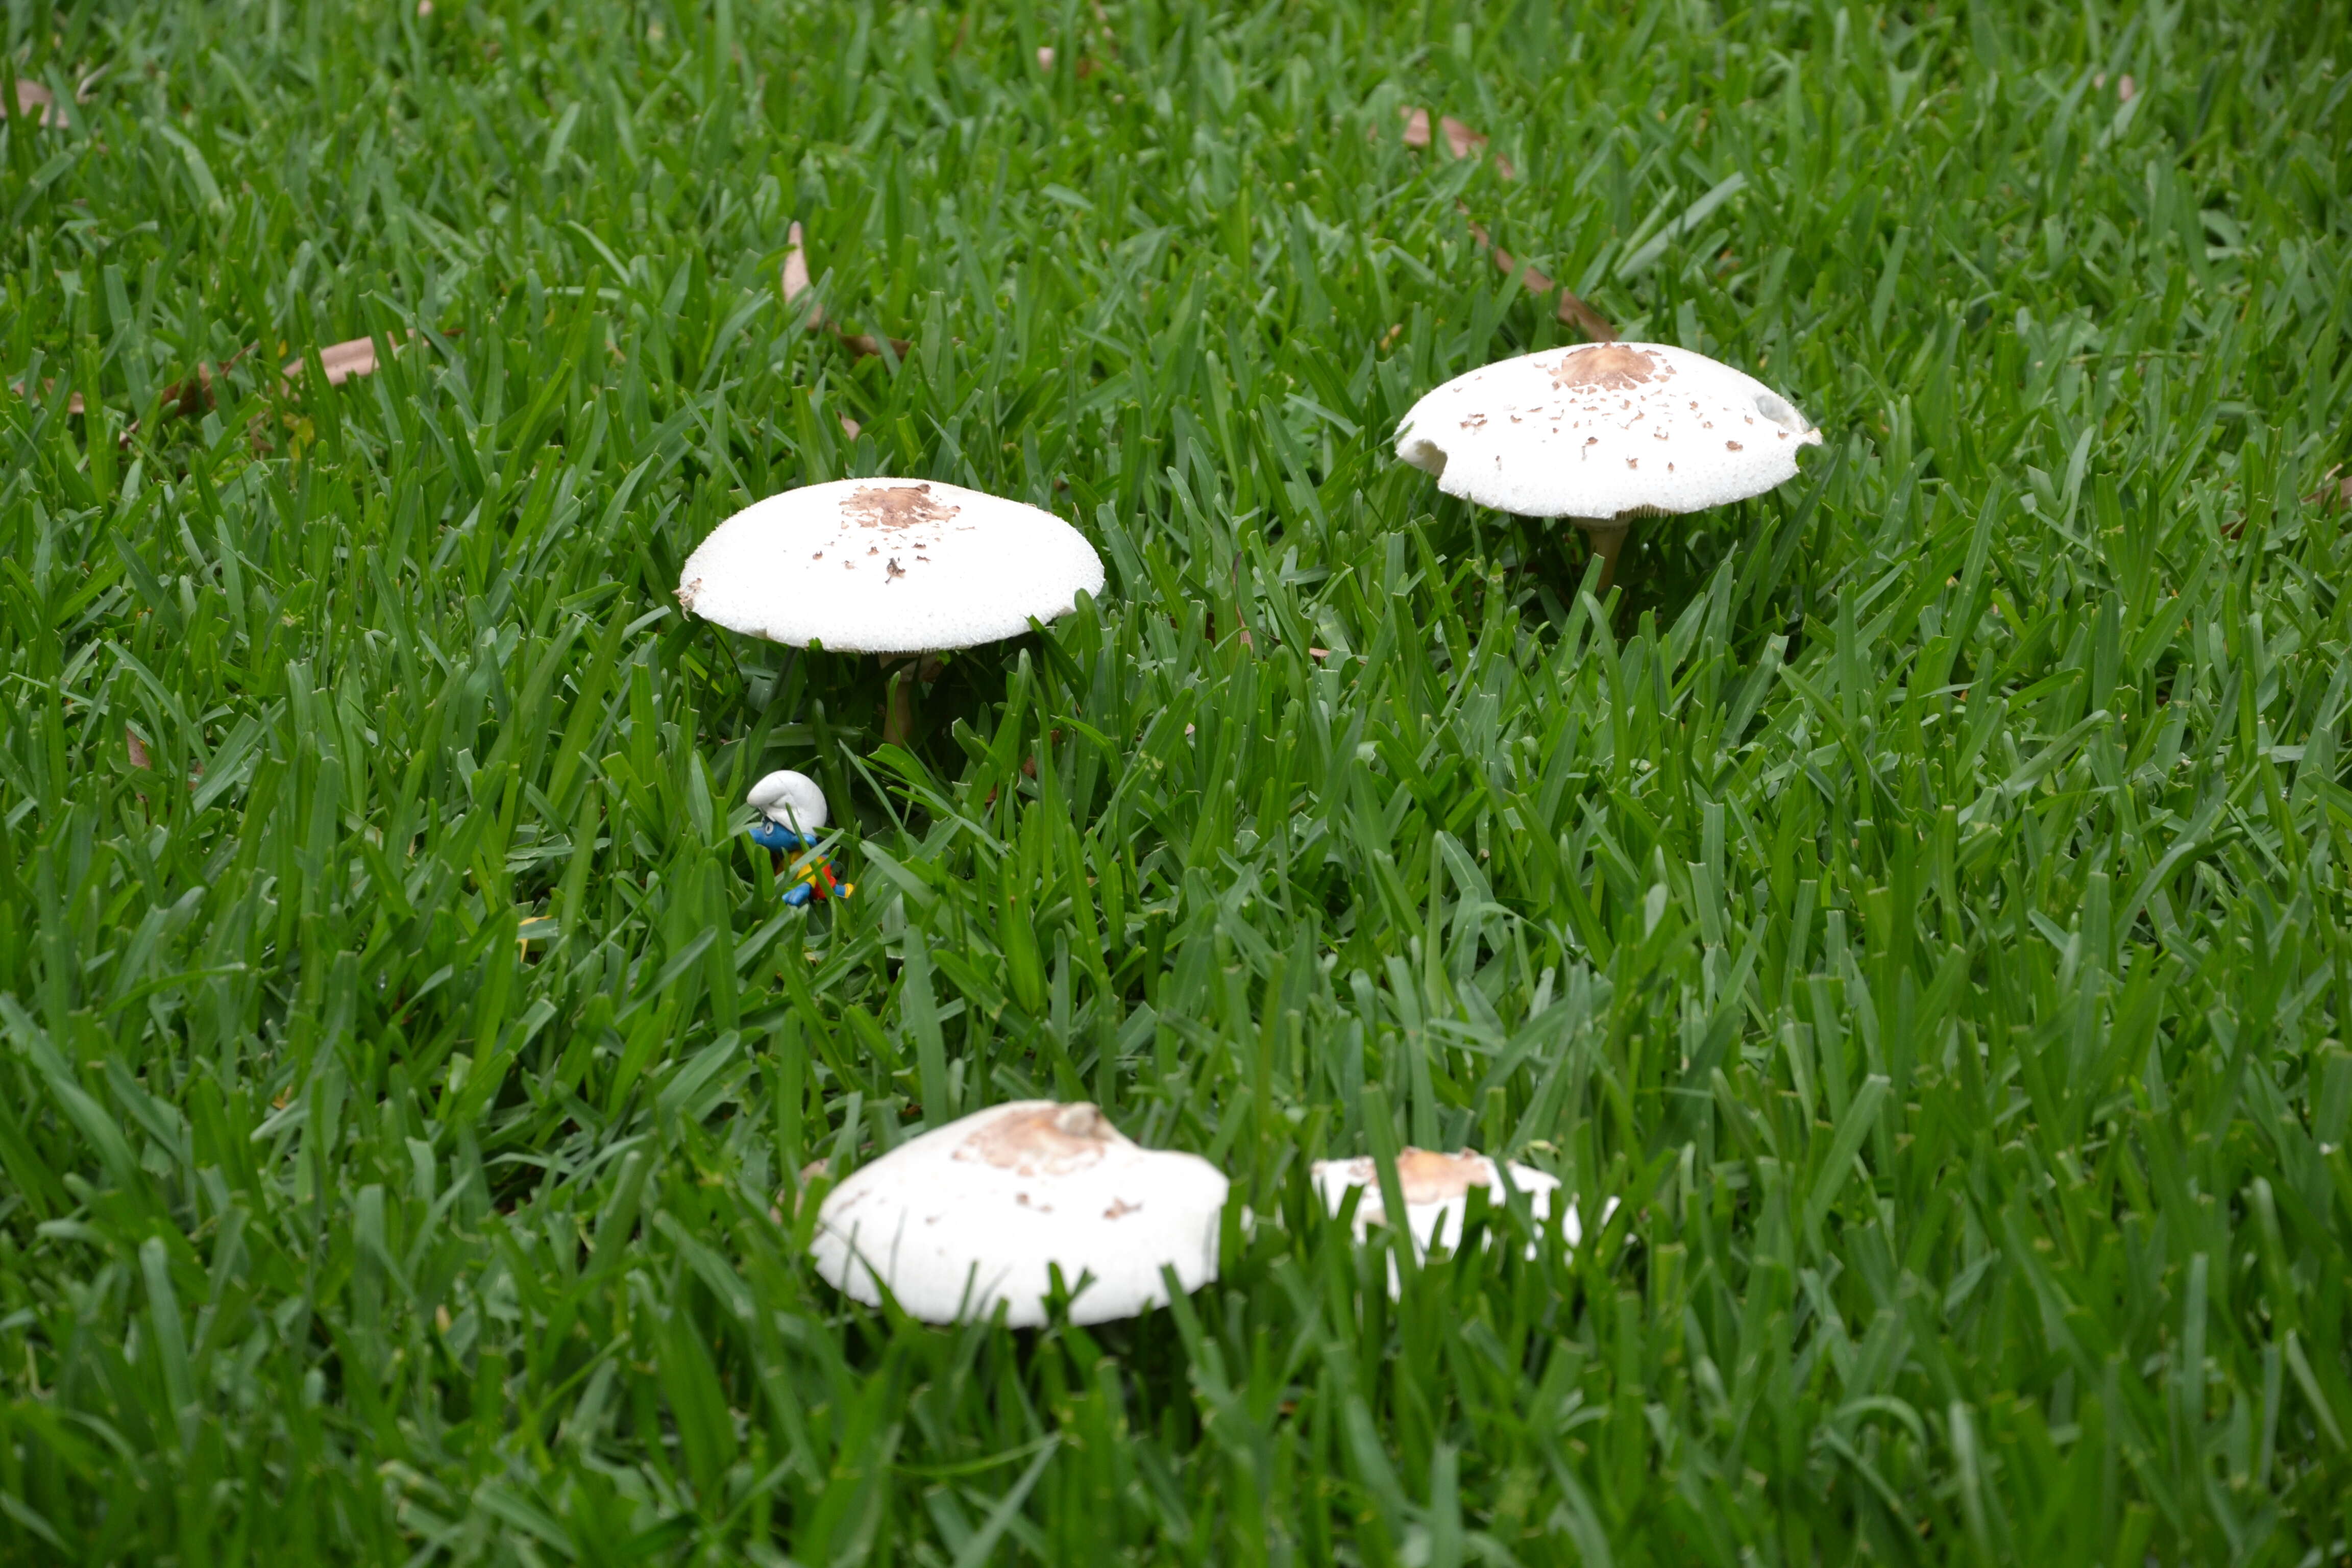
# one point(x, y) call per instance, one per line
point(1918, 894)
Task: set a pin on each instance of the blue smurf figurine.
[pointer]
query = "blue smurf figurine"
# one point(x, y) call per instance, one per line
point(791, 813)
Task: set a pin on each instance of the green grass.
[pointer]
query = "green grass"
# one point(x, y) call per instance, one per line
point(1920, 894)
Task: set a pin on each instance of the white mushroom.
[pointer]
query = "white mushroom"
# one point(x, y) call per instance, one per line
point(1604, 433)
point(888, 566)
point(791, 801)
point(1436, 1192)
point(978, 1213)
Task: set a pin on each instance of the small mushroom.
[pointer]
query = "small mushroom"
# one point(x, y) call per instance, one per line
point(962, 568)
point(1565, 433)
point(1436, 1191)
point(979, 1213)
point(791, 813)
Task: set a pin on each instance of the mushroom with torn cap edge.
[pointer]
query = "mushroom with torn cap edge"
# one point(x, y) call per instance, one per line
point(893, 567)
point(1436, 1192)
point(1604, 433)
point(980, 1213)
point(791, 812)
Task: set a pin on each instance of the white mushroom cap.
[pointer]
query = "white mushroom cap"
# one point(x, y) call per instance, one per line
point(1604, 431)
point(887, 566)
point(790, 800)
point(1436, 1192)
point(978, 1212)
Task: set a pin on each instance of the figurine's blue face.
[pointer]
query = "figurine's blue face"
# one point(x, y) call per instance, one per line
point(776, 836)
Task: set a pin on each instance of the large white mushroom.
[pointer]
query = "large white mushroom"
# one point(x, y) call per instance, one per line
point(895, 567)
point(1436, 1192)
point(1604, 433)
point(980, 1212)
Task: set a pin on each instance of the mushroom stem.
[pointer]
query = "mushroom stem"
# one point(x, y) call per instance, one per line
point(1608, 541)
point(898, 712)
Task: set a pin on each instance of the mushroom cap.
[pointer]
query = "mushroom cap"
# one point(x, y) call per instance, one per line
point(790, 800)
point(1436, 1191)
point(1605, 431)
point(887, 566)
point(978, 1212)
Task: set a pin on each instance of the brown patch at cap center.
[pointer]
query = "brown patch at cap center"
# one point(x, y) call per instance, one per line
point(1611, 365)
point(894, 506)
point(1424, 1176)
point(1429, 1177)
point(1047, 1140)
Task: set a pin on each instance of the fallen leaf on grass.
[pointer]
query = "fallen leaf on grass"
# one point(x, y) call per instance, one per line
point(795, 283)
point(1086, 66)
point(2333, 491)
point(1463, 142)
point(49, 385)
point(340, 361)
point(796, 278)
point(849, 426)
point(864, 343)
point(1571, 309)
point(191, 396)
point(37, 101)
point(134, 748)
point(1460, 140)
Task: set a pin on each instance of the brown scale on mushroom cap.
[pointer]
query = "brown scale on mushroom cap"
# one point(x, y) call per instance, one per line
point(1050, 1140)
point(1426, 1176)
point(1613, 366)
point(894, 506)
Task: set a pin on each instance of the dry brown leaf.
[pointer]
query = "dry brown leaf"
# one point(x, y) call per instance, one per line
point(188, 398)
point(1571, 309)
point(49, 385)
point(1460, 140)
point(796, 275)
point(2332, 490)
point(193, 396)
point(37, 101)
point(849, 426)
point(134, 748)
point(795, 283)
point(867, 343)
point(342, 361)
